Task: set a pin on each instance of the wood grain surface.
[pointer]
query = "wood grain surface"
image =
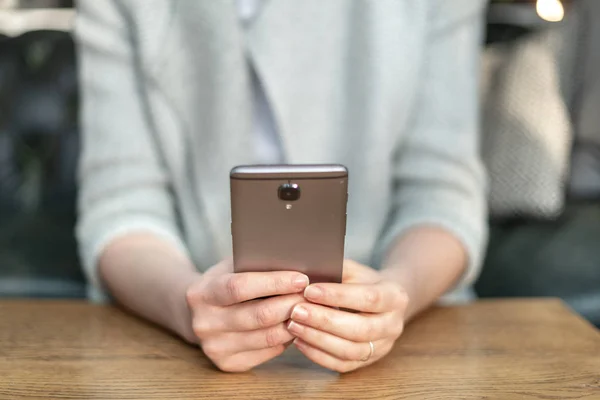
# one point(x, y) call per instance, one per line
point(508, 349)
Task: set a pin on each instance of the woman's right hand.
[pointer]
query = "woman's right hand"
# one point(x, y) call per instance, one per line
point(235, 327)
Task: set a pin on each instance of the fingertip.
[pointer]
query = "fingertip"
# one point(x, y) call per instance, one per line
point(300, 281)
point(313, 292)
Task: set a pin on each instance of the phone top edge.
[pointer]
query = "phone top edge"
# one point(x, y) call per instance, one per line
point(289, 171)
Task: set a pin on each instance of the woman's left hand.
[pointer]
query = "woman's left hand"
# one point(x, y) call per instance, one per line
point(346, 340)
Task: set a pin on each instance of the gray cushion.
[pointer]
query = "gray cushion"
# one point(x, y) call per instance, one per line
point(526, 128)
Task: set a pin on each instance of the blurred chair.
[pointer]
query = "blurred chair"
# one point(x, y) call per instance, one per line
point(544, 163)
point(38, 153)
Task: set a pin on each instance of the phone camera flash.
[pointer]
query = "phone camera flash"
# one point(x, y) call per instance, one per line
point(288, 206)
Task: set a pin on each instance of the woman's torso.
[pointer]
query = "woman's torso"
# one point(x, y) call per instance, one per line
point(341, 79)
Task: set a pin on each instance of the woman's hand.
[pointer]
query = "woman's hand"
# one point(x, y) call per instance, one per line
point(237, 329)
point(339, 340)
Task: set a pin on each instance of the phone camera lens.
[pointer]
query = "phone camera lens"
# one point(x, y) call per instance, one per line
point(289, 192)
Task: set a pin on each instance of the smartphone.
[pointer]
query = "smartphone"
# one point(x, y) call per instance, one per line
point(289, 218)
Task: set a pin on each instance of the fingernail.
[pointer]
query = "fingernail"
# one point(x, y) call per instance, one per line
point(299, 313)
point(301, 281)
point(313, 292)
point(294, 327)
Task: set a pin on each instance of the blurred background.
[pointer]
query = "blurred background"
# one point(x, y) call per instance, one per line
point(540, 108)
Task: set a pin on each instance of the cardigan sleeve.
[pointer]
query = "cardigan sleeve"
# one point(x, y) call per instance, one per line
point(438, 175)
point(123, 183)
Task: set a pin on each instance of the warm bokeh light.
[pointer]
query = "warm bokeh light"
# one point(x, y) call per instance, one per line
point(550, 10)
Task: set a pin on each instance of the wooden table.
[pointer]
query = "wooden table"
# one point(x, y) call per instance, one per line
point(488, 350)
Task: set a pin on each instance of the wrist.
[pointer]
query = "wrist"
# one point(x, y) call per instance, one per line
point(181, 314)
point(425, 274)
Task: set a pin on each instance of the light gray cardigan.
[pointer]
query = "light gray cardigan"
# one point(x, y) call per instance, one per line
point(386, 87)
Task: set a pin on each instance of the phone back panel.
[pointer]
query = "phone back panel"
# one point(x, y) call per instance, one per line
point(305, 235)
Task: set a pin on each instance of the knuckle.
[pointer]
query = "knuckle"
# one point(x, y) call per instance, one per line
point(230, 365)
point(333, 296)
point(372, 297)
point(399, 298)
point(342, 367)
point(190, 297)
point(397, 328)
point(212, 350)
point(398, 331)
point(201, 328)
point(196, 294)
point(366, 332)
point(403, 299)
point(264, 316)
point(352, 354)
point(233, 287)
point(280, 284)
point(273, 338)
point(323, 321)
